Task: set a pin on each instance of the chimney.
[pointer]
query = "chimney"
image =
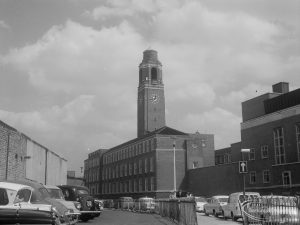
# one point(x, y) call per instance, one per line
point(281, 87)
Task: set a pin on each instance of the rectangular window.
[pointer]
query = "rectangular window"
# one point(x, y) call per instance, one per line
point(146, 166)
point(264, 151)
point(252, 154)
point(135, 168)
point(279, 146)
point(298, 139)
point(252, 177)
point(266, 176)
point(286, 178)
point(195, 164)
point(152, 183)
point(146, 184)
point(140, 166)
point(130, 169)
point(149, 145)
point(151, 164)
point(125, 169)
point(140, 185)
point(135, 186)
point(121, 170)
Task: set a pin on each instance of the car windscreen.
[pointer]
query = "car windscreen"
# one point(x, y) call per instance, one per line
point(200, 199)
point(56, 193)
point(223, 199)
point(82, 192)
point(39, 195)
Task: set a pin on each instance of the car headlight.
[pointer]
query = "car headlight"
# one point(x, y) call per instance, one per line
point(77, 205)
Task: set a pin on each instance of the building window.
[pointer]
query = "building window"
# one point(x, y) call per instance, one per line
point(154, 74)
point(264, 151)
point(279, 146)
point(252, 177)
point(135, 186)
point(146, 184)
point(146, 166)
point(125, 169)
point(252, 154)
point(151, 164)
point(135, 168)
point(140, 185)
point(129, 169)
point(140, 166)
point(266, 176)
point(227, 158)
point(298, 139)
point(152, 184)
point(286, 178)
point(129, 186)
point(195, 164)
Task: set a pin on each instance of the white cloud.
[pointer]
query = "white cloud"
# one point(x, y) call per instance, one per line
point(212, 60)
point(4, 25)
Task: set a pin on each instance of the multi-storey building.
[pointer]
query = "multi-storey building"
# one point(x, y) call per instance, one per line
point(92, 168)
point(155, 163)
point(271, 132)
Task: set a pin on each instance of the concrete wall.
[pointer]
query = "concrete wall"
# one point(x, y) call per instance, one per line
point(215, 180)
point(22, 157)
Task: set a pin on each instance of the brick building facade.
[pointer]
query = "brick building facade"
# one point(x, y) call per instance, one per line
point(22, 157)
point(271, 130)
point(145, 166)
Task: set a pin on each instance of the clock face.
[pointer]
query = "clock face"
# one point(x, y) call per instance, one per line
point(154, 98)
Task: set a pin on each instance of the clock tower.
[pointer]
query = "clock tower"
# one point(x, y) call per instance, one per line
point(151, 99)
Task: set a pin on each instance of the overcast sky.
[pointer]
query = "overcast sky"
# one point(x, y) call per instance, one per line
point(69, 68)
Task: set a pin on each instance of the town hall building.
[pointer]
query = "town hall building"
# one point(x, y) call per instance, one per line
point(155, 163)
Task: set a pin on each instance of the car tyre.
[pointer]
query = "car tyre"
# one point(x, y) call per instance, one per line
point(224, 217)
point(215, 214)
point(206, 214)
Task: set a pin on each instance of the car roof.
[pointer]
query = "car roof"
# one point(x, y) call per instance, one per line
point(13, 186)
point(220, 196)
point(246, 193)
point(51, 186)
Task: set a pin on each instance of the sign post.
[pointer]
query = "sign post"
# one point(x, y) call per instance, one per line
point(243, 169)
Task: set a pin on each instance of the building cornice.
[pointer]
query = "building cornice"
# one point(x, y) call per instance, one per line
point(272, 117)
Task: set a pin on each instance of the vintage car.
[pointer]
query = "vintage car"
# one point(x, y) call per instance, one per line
point(73, 206)
point(233, 208)
point(40, 195)
point(89, 208)
point(214, 205)
point(200, 202)
point(16, 206)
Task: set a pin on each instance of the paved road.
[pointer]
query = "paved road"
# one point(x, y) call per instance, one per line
point(211, 220)
point(117, 217)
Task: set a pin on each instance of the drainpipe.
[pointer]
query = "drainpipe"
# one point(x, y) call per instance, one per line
point(46, 165)
point(7, 154)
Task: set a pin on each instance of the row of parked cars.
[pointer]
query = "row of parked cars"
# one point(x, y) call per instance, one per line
point(29, 202)
point(270, 209)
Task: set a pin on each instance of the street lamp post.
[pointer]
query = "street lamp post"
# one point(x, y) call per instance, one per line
point(174, 164)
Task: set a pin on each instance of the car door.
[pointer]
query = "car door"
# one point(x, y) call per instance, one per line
point(30, 213)
point(7, 211)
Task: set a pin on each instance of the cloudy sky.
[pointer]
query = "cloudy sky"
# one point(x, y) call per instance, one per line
point(69, 69)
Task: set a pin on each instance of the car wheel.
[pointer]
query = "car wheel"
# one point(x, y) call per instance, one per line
point(206, 214)
point(233, 217)
point(224, 217)
point(215, 214)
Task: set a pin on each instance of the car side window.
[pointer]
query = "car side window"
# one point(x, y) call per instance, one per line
point(23, 195)
point(3, 197)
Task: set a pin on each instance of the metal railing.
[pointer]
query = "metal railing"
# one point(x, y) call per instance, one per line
point(271, 210)
point(181, 211)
